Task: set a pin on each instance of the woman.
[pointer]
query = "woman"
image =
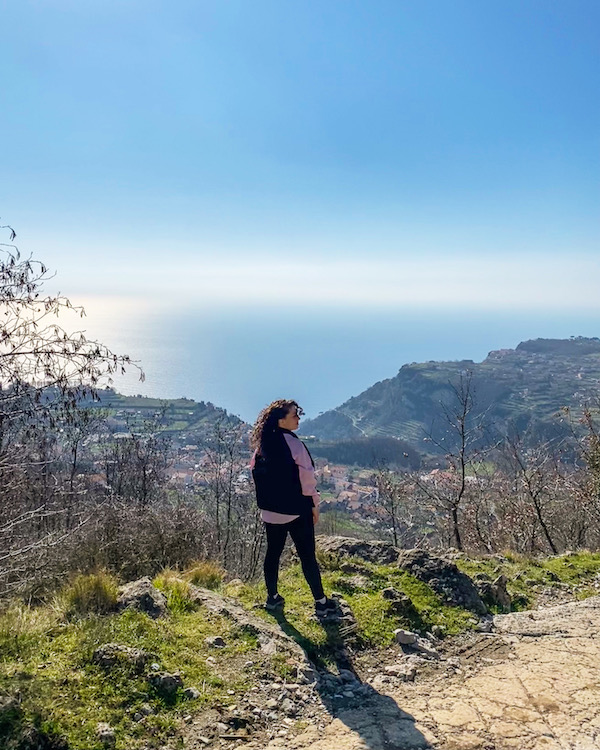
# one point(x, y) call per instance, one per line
point(286, 492)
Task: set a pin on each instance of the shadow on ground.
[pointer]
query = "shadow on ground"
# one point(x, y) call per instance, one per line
point(375, 718)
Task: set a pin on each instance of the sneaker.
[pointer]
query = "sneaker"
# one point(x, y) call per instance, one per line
point(274, 602)
point(329, 607)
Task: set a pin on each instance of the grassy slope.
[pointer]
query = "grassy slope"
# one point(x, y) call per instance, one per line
point(45, 653)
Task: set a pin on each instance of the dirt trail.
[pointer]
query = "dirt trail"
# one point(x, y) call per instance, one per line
point(532, 684)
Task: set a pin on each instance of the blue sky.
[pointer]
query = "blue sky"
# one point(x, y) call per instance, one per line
point(382, 153)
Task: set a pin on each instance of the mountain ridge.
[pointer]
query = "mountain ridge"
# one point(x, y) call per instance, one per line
point(523, 387)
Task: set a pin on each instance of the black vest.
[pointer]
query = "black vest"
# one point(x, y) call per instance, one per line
point(277, 479)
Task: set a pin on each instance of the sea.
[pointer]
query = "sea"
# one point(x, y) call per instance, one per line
point(242, 358)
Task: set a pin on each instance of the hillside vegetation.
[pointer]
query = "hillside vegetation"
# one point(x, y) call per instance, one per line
point(55, 692)
point(522, 389)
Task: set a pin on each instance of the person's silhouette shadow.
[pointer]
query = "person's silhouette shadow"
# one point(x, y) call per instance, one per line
point(376, 718)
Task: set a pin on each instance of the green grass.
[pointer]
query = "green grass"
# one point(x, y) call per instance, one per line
point(526, 573)
point(46, 652)
point(47, 659)
point(375, 615)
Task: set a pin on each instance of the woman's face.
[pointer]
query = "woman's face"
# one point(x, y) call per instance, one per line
point(291, 419)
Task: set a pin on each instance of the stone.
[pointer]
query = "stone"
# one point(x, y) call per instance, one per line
point(347, 676)
point(306, 675)
point(268, 647)
point(455, 587)
point(425, 648)
point(502, 595)
point(215, 641)
point(166, 682)
point(357, 582)
point(405, 637)
point(110, 655)
point(375, 552)
point(494, 593)
point(288, 707)
point(143, 596)
point(106, 734)
point(191, 693)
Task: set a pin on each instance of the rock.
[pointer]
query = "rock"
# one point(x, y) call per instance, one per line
point(405, 637)
point(445, 579)
point(166, 682)
point(344, 614)
point(306, 675)
point(271, 703)
point(8, 705)
point(399, 602)
point(348, 694)
point(288, 707)
point(502, 595)
point(351, 568)
point(423, 647)
point(405, 672)
point(391, 594)
point(485, 625)
point(438, 631)
point(347, 676)
point(268, 647)
point(215, 641)
point(142, 595)
point(494, 593)
point(357, 582)
point(191, 693)
point(374, 552)
point(112, 654)
point(106, 734)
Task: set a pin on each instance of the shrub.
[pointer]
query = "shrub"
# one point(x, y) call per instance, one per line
point(205, 573)
point(176, 589)
point(90, 593)
point(22, 628)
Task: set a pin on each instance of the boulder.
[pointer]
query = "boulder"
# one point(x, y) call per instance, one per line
point(400, 604)
point(215, 641)
point(455, 588)
point(494, 593)
point(405, 637)
point(106, 734)
point(381, 553)
point(166, 682)
point(142, 595)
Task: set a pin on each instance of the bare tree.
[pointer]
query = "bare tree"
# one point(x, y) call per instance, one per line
point(45, 372)
point(229, 501)
point(462, 447)
point(534, 482)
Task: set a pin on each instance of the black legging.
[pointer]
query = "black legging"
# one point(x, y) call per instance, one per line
point(302, 531)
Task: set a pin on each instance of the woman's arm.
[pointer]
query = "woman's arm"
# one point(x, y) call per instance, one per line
point(306, 470)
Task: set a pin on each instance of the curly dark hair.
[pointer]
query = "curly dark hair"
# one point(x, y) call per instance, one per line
point(266, 421)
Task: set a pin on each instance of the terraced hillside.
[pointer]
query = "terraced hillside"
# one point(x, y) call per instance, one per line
point(525, 387)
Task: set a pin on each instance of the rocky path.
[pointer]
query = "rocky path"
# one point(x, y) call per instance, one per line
point(531, 684)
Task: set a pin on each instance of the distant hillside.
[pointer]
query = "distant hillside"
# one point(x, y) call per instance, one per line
point(524, 387)
point(183, 417)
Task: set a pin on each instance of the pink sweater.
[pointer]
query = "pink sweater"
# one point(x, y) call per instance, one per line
point(308, 480)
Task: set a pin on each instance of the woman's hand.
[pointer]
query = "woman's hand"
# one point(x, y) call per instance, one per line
point(315, 512)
